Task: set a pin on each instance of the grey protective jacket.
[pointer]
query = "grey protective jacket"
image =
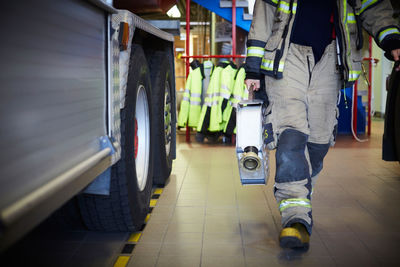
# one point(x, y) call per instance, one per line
point(270, 31)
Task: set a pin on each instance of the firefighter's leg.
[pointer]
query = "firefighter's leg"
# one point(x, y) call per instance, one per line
point(322, 109)
point(293, 181)
point(288, 98)
point(305, 115)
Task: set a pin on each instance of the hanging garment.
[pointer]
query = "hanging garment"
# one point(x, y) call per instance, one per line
point(208, 68)
point(211, 100)
point(191, 103)
point(239, 93)
point(222, 96)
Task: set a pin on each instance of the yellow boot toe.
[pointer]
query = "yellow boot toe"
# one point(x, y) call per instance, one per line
point(295, 236)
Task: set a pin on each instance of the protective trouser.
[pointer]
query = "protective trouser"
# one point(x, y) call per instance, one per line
point(304, 117)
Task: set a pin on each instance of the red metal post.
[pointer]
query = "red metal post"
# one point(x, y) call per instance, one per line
point(355, 100)
point(187, 35)
point(233, 39)
point(187, 56)
point(369, 85)
point(187, 53)
point(215, 56)
point(233, 28)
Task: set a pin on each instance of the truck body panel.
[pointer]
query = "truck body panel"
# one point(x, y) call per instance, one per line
point(64, 79)
point(53, 74)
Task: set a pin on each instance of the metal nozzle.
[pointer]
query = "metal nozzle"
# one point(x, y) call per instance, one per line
point(250, 160)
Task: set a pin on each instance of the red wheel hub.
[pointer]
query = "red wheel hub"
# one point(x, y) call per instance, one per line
point(136, 138)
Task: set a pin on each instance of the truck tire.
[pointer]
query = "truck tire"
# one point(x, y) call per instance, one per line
point(127, 206)
point(162, 84)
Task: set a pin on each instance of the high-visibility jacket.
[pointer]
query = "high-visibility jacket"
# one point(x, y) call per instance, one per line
point(211, 100)
point(239, 93)
point(271, 28)
point(208, 68)
point(191, 103)
point(222, 96)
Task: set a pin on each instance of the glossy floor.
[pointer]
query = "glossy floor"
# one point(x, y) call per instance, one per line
point(205, 217)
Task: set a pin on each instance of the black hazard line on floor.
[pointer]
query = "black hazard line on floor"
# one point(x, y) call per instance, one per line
point(134, 238)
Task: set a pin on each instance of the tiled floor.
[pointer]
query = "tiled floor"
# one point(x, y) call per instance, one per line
point(205, 217)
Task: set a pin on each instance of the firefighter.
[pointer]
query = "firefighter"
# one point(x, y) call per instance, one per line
point(307, 50)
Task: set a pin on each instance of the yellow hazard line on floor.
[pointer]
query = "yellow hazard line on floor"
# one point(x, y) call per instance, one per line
point(153, 203)
point(147, 218)
point(122, 261)
point(158, 191)
point(135, 237)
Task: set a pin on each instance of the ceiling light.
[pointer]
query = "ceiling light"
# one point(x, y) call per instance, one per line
point(174, 12)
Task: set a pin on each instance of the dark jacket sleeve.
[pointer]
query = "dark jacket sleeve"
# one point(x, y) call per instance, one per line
point(377, 19)
point(260, 30)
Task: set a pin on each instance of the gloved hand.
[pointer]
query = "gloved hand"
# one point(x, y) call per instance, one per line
point(391, 46)
point(252, 82)
point(396, 56)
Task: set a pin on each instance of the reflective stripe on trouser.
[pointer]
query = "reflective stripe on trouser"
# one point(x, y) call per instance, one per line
point(303, 110)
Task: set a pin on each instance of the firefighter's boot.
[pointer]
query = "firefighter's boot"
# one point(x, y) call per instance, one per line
point(295, 236)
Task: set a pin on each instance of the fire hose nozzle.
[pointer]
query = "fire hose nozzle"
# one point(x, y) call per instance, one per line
point(250, 160)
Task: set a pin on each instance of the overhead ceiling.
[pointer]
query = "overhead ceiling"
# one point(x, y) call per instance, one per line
point(198, 12)
point(146, 6)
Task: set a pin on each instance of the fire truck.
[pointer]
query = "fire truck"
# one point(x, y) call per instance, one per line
point(88, 115)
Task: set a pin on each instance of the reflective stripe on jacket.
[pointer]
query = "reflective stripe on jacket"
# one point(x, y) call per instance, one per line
point(270, 31)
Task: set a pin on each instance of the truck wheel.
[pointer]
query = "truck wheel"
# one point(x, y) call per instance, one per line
point(162, 84)
point(127, 206)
